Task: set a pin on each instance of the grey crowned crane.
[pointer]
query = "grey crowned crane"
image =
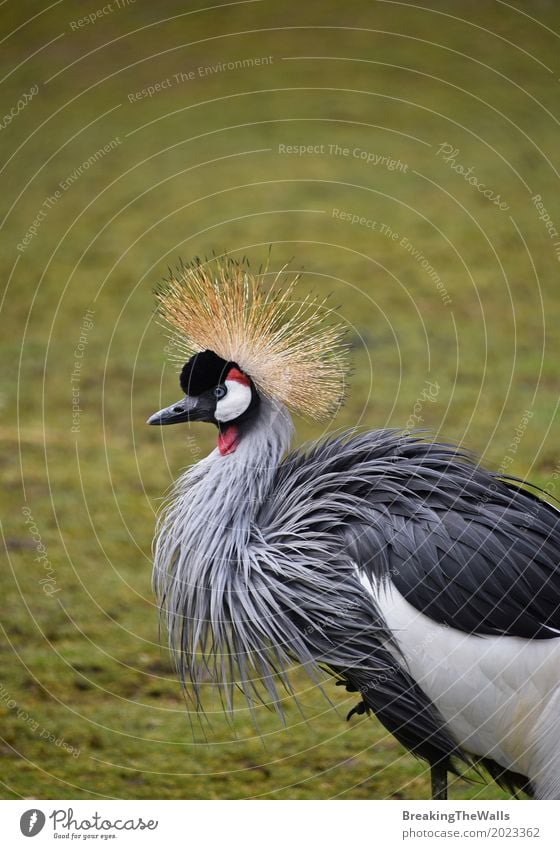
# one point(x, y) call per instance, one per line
point(427, 585)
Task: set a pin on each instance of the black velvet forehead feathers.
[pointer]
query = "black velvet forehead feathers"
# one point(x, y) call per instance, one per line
point(202, 372)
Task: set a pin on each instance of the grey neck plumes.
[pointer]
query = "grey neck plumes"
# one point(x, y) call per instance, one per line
point(202, 547)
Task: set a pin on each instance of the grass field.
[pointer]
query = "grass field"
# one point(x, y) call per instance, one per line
point(342, 135)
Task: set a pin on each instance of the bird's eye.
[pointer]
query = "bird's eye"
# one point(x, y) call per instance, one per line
point(219, 391)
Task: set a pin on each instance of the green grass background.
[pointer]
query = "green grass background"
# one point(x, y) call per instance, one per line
point(198, 168)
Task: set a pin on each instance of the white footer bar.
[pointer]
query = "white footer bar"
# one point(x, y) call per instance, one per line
point(279, 824)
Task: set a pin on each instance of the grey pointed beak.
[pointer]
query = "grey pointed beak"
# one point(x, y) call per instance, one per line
point(186, 410)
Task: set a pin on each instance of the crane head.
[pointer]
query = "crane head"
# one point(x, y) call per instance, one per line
point(216, 391)
point(243, 338)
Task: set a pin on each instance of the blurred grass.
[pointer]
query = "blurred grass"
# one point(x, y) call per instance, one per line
point(197, 167)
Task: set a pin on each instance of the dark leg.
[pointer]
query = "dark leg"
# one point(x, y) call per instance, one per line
point(439, 782)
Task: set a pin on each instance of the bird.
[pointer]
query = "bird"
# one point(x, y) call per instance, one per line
point(394, 563)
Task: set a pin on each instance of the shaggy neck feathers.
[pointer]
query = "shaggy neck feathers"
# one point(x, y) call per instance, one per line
point(202, 542)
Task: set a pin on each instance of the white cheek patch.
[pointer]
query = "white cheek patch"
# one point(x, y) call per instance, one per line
point(234, 403)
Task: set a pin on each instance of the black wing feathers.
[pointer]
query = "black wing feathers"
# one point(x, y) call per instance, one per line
point(463, 546)
point(469, 549)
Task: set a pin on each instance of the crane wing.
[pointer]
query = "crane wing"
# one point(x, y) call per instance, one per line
point(462, 545)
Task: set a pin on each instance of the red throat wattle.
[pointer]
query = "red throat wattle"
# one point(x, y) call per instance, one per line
point(228, 440)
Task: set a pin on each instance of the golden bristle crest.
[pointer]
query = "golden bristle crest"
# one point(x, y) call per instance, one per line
point(287, 346)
